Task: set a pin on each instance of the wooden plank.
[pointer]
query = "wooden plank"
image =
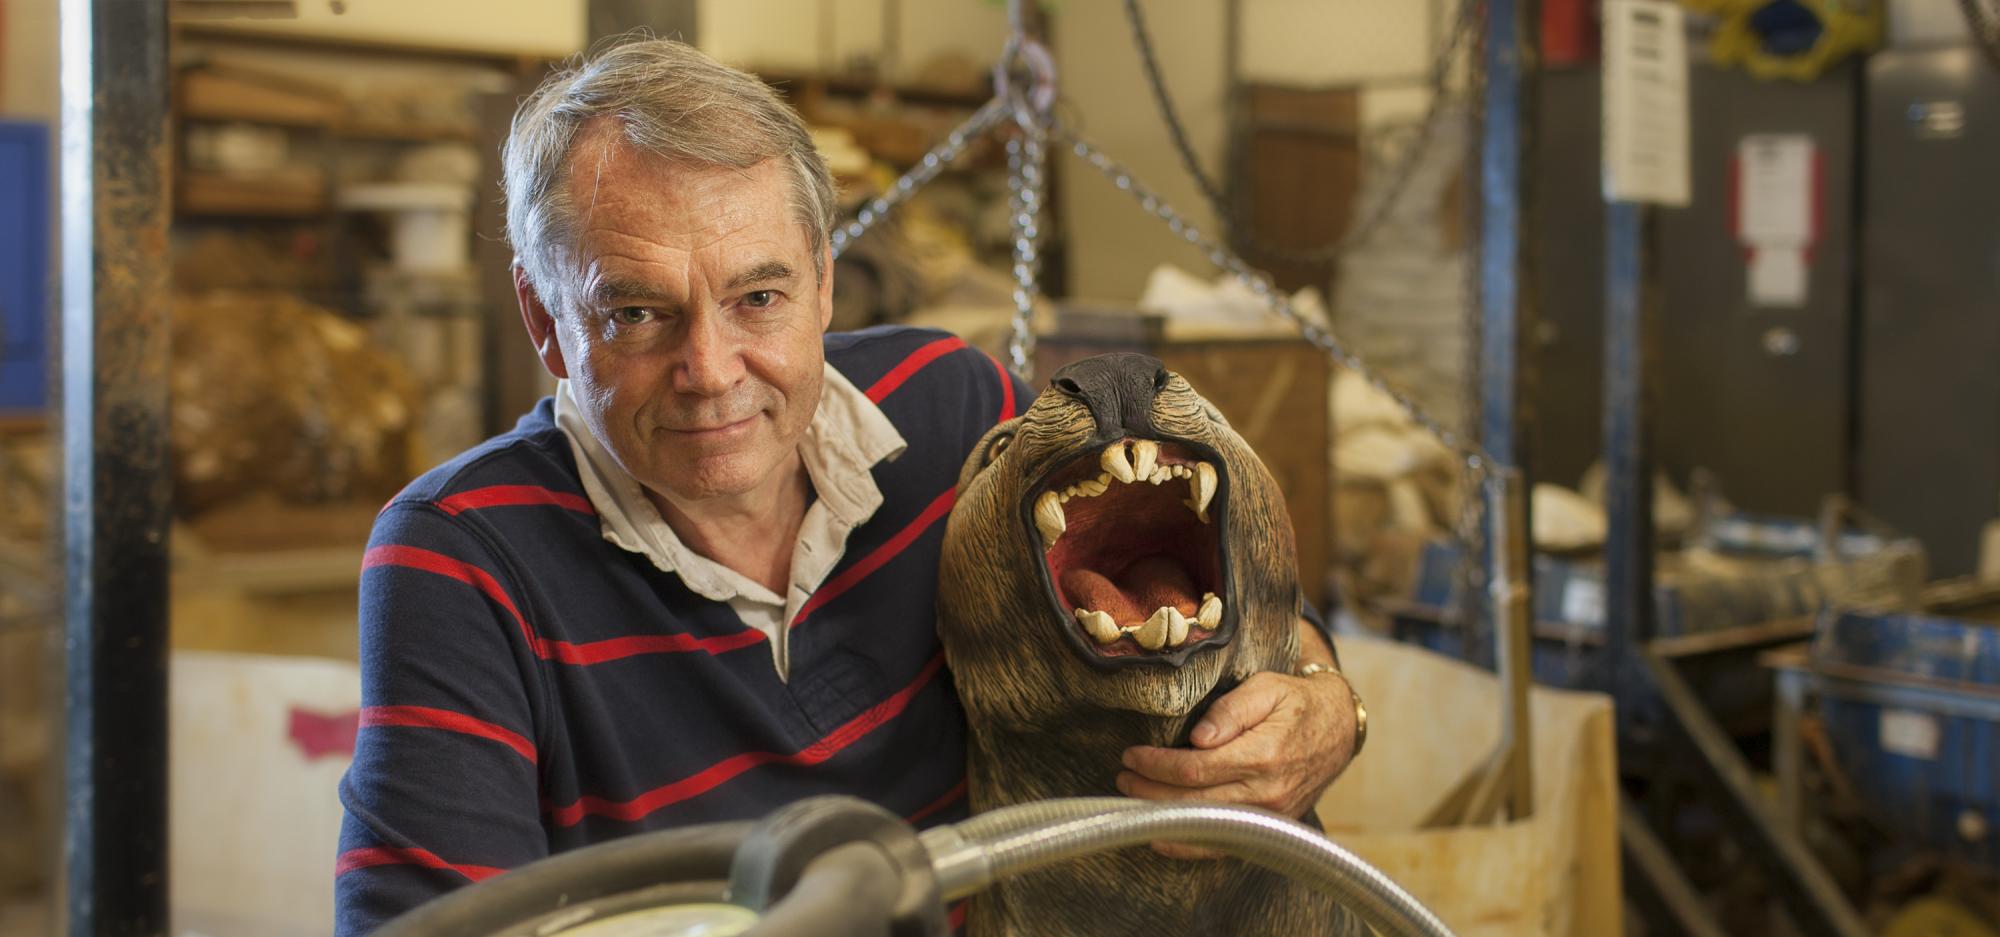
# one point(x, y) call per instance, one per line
point(235, 94)
point(293, 193)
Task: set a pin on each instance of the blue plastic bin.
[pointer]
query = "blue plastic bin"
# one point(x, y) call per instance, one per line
point(1912, 705)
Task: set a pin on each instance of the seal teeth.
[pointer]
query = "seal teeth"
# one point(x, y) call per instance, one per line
point(1114, 462)
point(1177, 627)
point(1202, 486)
point(1145, 455)
point(1153, 634)
point(1100, 625)
point(1210, 614)
point(1049, 519)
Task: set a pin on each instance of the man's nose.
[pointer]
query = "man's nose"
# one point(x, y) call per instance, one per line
point(1119, 390)
point(711, 359)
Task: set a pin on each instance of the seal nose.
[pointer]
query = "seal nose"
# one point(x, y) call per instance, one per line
point(1118, 388)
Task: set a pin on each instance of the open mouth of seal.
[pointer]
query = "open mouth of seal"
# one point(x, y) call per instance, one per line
point(1132, 550)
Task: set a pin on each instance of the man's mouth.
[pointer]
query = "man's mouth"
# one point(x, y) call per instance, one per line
point(1133, 550)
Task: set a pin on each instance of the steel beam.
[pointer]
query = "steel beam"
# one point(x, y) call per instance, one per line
point(1507, 56)
point(116, 496)
point(1506, 107)
point(1809, 895)
point(1630, 354)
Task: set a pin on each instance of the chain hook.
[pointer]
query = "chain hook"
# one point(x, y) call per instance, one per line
point(1025, 77)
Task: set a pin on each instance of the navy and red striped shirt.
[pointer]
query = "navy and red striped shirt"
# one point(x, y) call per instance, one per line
point(529, 688)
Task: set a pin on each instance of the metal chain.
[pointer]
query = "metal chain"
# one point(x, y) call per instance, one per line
point(1231, 212)
point(1985, 27)
point(1027, 161)
point(926, 169)
point(1258, 283)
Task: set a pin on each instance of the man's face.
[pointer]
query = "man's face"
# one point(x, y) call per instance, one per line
point(692, 344)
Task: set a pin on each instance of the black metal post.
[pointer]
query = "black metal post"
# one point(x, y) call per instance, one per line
point(1630, 350)
point(116, 493)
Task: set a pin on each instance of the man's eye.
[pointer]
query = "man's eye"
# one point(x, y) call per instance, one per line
point(760, 298)
point(631, 315)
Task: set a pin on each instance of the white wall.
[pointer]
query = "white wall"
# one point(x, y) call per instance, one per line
point(526, 27)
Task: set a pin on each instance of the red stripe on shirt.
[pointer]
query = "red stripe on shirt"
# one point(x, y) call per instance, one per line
point(957, 917)
point(1006, 392)
point(853, 575)
point(589, 652)
point(910, 365)
point(431, 561)
point(495, 496)
point(721, 772)
point(369, 857)
point(597, 652)
point(425, 717)
point(950, 797)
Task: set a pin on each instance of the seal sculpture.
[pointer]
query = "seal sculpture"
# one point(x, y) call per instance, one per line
point(1117, 557)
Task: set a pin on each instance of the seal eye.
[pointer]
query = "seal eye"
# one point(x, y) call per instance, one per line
point(995, 445)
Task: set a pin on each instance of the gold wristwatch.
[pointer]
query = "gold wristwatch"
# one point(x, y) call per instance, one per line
point(1360, 708)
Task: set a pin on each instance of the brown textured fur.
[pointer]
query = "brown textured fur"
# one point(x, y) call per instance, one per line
point(1045, 723)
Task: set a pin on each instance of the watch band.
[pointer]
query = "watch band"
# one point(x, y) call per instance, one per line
point(1360, 709)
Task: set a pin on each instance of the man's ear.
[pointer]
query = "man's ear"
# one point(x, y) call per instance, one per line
point(826, 290)
point(541, 325)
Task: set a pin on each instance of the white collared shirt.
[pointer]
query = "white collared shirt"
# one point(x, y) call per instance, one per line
point(848, 436)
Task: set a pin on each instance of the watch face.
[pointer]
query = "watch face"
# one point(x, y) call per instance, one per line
point(688, 920)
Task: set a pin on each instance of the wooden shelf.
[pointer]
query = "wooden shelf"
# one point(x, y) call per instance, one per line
point(850, 86)
point(391, 132)
point(231, 95)
point(296, 193)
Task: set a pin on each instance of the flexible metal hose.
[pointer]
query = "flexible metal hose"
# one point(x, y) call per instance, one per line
point(972, 855)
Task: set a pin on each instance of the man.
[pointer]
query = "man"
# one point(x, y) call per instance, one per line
point(697, 583)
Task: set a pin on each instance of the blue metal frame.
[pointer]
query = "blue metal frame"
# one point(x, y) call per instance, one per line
point(1507, 57)
point(1628, 545)
point(1500, 237)
point(26, 198)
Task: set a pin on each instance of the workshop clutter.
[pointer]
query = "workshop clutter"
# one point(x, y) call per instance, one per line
point(273, 395)
point(29, 636)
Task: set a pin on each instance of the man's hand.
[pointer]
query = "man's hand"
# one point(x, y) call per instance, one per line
point(1275, 742)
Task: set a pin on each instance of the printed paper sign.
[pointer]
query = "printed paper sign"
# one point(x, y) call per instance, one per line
point(1777, 214)
point(1645, 102)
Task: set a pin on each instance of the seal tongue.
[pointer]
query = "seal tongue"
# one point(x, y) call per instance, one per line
point(1134, 592)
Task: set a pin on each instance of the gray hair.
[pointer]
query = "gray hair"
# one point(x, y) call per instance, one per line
point(669, 100)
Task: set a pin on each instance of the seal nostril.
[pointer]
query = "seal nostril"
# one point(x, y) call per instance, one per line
point(1160, 379)
point(1068, 386)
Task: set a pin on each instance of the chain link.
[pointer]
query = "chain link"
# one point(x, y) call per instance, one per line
point(1027, 162)
point(926, 169)
point(1260, 285)
point(1232, 211)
